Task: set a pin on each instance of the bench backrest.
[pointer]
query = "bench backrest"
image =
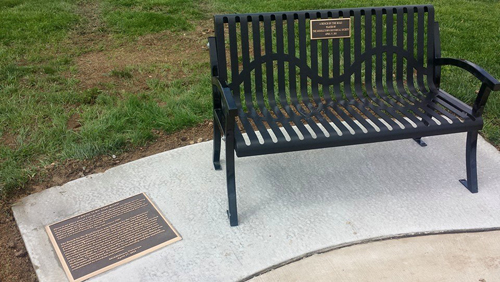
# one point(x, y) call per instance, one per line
point(272, 54)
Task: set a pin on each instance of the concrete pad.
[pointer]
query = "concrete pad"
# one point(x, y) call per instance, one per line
point(449, 257)
point(289, 204)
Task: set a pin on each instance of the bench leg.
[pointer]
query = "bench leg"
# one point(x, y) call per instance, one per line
point(470, 162)
point(231, 181)
point(217, 141)
point(420, 142)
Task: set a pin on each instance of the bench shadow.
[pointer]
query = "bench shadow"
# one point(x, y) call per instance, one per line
point(366, 173)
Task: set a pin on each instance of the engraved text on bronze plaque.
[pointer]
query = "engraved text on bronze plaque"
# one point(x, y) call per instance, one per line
point(104, 238)
point(330, 28)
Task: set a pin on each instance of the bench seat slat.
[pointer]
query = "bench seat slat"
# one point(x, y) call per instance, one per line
point(258, 122)
point(333, 118)
point(275, 127)
point(356, 116)
point(288, 128)
point(247, 127)
point(454, 105)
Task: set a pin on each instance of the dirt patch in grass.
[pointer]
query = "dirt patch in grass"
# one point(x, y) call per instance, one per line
point(172, 54)
point(15, 262)
point(162, 56)
point(8, 139)
point(73, 122)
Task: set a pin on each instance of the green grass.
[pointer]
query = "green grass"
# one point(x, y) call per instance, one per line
point(121, 73)
point(138, 17)
point(25, 22)
point(39, 93)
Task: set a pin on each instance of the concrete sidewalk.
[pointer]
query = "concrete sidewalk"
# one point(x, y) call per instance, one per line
point(461, 257)
point(290, 205)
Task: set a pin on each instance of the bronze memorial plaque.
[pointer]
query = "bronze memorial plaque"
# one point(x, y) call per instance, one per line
point(330, 28)
point(96, 241)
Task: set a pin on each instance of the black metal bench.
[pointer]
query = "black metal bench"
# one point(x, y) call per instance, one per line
point(374, 78)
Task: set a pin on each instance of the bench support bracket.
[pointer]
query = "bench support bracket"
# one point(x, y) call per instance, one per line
point(470, 162)
point(420, 142)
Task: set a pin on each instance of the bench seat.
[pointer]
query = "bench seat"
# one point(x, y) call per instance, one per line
point(330, 123)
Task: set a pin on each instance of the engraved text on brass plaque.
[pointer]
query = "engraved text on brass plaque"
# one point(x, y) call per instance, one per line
point(330, 28)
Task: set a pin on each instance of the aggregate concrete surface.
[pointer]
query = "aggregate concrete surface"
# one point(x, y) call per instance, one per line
point(289, 204)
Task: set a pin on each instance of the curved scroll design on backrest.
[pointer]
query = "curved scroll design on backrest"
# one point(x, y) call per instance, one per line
point(272, 56)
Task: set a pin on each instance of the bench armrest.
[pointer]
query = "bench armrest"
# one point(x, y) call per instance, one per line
point(474, 69)
point(227, 97)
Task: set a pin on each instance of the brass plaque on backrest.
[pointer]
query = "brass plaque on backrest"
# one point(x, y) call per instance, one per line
point(330, 28)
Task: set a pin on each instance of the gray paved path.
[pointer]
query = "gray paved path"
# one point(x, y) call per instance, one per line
point(468, 257)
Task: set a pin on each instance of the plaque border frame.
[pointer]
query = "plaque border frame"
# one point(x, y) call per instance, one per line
point(333, 37)
point(118, 263)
